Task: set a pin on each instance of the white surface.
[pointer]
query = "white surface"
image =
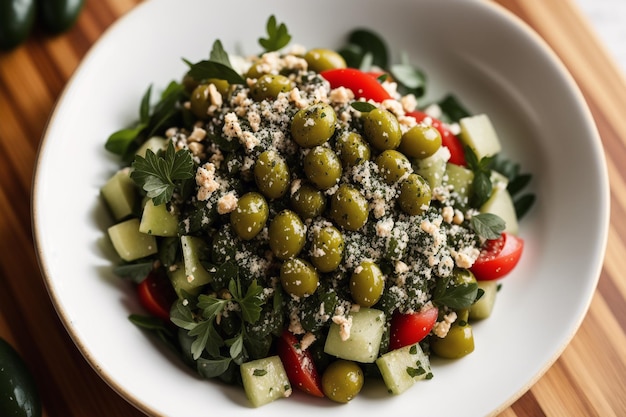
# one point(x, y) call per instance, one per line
point(482, 60)
point(608, 18)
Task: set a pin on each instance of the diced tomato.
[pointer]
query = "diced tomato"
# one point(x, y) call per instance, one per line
point(299, 365)
point(498, 257)
point(408, 329)
point(448, 139)
point(362, 84)
point(156, 295)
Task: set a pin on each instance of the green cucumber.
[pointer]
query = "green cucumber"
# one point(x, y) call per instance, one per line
point(196, 250)
point(482, 308)
point(19, 396)
point(129, 242)
point(265, 380)
point(363, 343)
point(155, 144)
point(478, 133)
point(120, 194)
point(460, 178)
point(401, 368)
point(501, 204)
point(158, 220)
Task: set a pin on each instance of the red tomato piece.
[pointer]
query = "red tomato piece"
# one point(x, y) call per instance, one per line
point(448, 139)
point(408, 329)
point(299, 365)
point(362, 84)
point(498, 257)
point(156, 295)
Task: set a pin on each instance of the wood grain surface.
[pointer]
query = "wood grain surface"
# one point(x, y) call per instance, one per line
point(589, 378)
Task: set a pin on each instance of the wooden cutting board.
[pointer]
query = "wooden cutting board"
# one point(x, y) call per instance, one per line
point(589, 379)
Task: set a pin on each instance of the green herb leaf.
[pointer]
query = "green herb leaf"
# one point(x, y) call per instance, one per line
point(409, 78)
point(367, 42)
point(488, 225)
point(251, 304)
point(218, 54)
point(456, 297)
point(278, 36)
point(135, 272)
point(204, 70)
point(523, 204)
point(211, 368)
point(236, 350)
point(211, 306)
point(452, 108)
point(363, 106)
point(201, 332)
point(158, 175)
point(144, 108)
point(119, 142)
point(181, 315)
point(259, 372)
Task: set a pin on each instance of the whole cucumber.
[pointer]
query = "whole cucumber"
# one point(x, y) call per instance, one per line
point(16, 22)
point(57, 16)
point(18, 392)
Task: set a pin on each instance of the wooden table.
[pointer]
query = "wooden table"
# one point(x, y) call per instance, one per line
point(589, 379)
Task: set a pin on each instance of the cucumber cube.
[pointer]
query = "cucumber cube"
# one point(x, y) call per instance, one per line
point(460, 178)
point(265, 380)
point(119, 194)
point(129, 242)
point(363, 342)
point(432, 169)
point(478, 133)
point(501, 204)
point(158, 221)
point(401, 368)
point(482, 308)
point(182, 286)
point(195, 250)
point(155, 143)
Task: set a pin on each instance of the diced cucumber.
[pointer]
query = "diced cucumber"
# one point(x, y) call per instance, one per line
point(363, 344)
point(178, 278)
point(460, 178)
point(432, 169)
point(401, 368)
point(482, 308)
point(195, 250)
point(129, 242)
point(478, 133)
point(500, 203)
point(155, 143)
point(265, 380)
point(119, 193)
point(158, 220)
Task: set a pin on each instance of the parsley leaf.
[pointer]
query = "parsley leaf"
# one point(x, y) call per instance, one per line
point(488, 225)
point(409, 78)
point(517, 182)
point(278, 36)
point(159, 174)
point(364, 50)
point(250, 303)
point(211, 368)
point(362, 106)
point(455, 297)
point(482, 186)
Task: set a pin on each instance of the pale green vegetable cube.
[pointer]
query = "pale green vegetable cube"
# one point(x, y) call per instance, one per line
point(460, 178)
point(501, 204)
point(432, 169)
point(158, 221)
point(478, 133)
point(265, 380)
point(129, 242)
point(182, 286)
point(119, 193)
point(365, 334)
point(155, 143)
point(482, 308)
point(401, 368)
point(195, 250)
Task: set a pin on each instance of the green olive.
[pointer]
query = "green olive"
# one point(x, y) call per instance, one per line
point(322, 167)
point(327, 247)
point(415, 195)
point(313, 125)
point(255, 70)
point(349, 208)
point(367, 284)
point(308, 201)
point(287, 234)
point(298, 277)
point(342, 380)
point(458, 342)
point(420, 141)
point(352, 149)
point(268, 86)
point(320, 59)
point(462, 276)
point(271, 174)
point(382, 129)
point(200, 101)
point(250, 216)
point(393, 166)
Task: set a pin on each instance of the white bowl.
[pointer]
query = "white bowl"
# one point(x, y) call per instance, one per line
point(474, 49)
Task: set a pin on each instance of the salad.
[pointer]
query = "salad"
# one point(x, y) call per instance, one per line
point(299, 219)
